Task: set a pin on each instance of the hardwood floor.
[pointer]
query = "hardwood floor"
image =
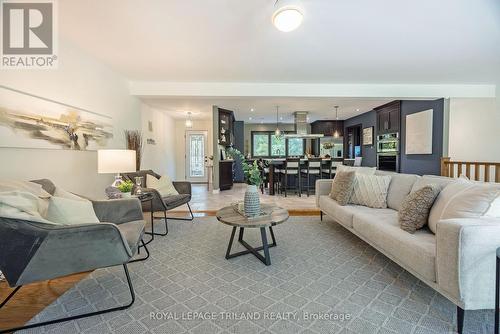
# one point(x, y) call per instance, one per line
point(32, 299)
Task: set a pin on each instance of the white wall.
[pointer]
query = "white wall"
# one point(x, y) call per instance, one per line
point(84, 82)
point(474, 129)
point(180, 143)
point(161, 156)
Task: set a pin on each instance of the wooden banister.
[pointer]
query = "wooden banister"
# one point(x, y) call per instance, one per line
point(481, 170)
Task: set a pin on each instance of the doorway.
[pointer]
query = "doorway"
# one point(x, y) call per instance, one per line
point(353, 142)
point(196, 148)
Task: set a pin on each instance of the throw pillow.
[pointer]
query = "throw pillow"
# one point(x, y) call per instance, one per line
point(415, 208)
point(464, 199)
point(164, 185)
point(66, 211)
point(371, 190)
point(342, 187)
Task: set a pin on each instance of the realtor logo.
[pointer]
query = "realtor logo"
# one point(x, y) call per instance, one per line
point(28, 34)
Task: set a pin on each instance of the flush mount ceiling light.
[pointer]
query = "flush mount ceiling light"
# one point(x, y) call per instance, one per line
point(287, 18)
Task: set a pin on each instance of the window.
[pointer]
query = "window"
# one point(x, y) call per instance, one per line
point(278, 146)
point(295, 146)
point(260, 144)
point(266, 144)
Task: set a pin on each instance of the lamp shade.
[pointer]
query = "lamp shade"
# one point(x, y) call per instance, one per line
point(115, 161)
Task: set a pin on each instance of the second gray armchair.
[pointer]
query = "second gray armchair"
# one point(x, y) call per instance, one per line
point(164, 204)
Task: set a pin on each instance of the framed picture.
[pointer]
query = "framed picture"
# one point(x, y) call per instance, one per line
point(29, 121)
point(368, 136)
point(419, 132)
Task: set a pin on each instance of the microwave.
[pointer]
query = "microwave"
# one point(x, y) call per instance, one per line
point(388, 143)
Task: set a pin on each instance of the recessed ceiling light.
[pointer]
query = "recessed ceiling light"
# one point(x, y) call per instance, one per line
point(251, 109)
point(357, 109)
point(287, 18)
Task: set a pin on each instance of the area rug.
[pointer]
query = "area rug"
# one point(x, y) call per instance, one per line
point(322, 279)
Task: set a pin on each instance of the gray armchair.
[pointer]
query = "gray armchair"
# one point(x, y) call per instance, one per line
point(164, 204)
point(33, 251)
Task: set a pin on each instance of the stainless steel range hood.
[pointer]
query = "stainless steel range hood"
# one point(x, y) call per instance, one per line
point(301, 127)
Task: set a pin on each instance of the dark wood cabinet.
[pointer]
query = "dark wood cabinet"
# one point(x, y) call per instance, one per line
point(327, 127)
point(226, 127)
point(225, 174)
point(388, 117)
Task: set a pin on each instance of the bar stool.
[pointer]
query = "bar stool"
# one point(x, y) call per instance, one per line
point(313, 167)
point(326, 169)
point(334, 166)
point(291, 168)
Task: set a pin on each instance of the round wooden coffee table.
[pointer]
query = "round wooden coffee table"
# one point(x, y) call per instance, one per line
point(274, 216)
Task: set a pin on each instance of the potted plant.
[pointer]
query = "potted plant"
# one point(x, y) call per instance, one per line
point(126, 188)
point(253, 178)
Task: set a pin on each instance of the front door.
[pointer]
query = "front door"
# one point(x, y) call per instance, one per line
point(196, 148)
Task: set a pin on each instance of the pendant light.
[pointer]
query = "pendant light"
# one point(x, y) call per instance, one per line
point(277, 132)
point(336, 133)
point(189, 121)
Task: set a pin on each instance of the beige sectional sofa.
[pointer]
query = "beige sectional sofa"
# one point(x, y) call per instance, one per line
point(458, 261)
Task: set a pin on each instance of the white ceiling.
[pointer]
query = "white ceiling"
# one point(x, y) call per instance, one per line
point(264, 109)
point(340, 41)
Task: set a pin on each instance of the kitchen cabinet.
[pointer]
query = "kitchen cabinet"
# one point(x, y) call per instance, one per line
point(327, 127)
point(388, 117)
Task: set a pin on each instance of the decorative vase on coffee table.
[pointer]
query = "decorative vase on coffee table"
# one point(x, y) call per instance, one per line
point(252, 201)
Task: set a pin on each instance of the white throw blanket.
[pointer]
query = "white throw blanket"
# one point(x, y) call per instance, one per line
point(18, 204)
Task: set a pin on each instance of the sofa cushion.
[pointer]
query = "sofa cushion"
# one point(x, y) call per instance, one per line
point(399, 188)
point(358, 170)
point(344, 214)
point(176, 200)
point(371, 190)
point(415, 251)
point(441, 181)
point(463, 199)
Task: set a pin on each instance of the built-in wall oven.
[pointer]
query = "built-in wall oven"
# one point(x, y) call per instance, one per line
point(388, 152)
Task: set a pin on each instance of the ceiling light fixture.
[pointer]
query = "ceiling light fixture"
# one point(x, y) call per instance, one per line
point(287, 18)
point(336, 133)
point(189, 121)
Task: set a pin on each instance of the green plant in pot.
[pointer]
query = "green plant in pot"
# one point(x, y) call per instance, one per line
point(126, 188)
point(254, 178)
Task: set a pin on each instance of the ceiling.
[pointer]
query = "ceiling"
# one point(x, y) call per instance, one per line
point(340, 41)
point(264, 109)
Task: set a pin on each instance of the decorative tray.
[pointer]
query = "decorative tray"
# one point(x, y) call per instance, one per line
point(239, 207)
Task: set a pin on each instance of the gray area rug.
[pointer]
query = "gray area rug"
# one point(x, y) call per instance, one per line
point(322, 279)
